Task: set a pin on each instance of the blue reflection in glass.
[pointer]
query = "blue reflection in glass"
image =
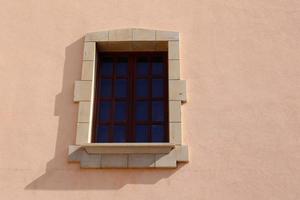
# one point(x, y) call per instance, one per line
point(107, 67)
point(119, 134)
point(105, 108)
point(141, 112)
point(121, 111)
point(142, 88)
point(157, 87)
point(157, 133)
point(122, 69)
point(102, 134)
point(142, 66)
point(157, 68)
point(158, 111)
point(106, 87)
point(121, 88)
point(141, 134)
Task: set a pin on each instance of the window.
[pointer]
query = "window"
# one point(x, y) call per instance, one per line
point(131, 98)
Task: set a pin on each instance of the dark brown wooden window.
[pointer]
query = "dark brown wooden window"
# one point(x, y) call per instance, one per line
point(131, 98)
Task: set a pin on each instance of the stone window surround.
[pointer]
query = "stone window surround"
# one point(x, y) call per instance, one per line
point(128, 155)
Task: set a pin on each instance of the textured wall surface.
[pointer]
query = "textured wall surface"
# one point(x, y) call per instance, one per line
point(242, 120)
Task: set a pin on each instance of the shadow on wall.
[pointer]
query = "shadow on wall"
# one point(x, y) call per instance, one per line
point(61, 175)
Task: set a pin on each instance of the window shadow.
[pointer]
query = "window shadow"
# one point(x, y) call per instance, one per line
point(61, 175)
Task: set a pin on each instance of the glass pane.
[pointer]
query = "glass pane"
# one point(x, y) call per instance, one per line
point(121, 88)
point(105, 109)
point(141, 134)
point(121, 111)
point(157, 133)
point(106, 87)
point(141, 112)
point(142, 66)
point(157, 111)
point(142, 88)
point(102, 134)
point(107, 67)
point(122, 67)
point(119, 134)
point(158, 66)
point(157, 88)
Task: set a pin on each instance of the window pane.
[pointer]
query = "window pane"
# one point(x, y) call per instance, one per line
point(157, 133)
point(141, 112)
point(102, 134)
point(121, 88)
point(142, 88)
point(105, 109)
point(157, 111)
point(107, 67)
point(121, 111)
point(122, 67)
point(157, 68)
point(157, 87)
point(106, 87)
point(142, 66)
point(119, 134)
point(141, 133)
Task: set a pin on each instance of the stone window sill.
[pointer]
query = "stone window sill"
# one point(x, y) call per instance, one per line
point(127, 148)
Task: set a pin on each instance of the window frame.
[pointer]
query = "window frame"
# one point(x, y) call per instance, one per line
point(158, 155)
point(132, 78)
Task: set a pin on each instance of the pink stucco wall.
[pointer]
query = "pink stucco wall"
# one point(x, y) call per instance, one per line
point(241, 60)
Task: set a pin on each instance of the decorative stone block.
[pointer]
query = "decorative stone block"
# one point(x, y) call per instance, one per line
point(174, 111)
point(90, 160)
point(96, 36)
point(174, 69)
point(87, 70)
point(175, 133)
point(182, 153)
point(82, 135)
point(114, 161)
point(141, 160)
point(177, 90)
point(167, 35)
point(74, 153)
point(82, 91)
point(166, 160)
point(89, 51)
point(120, 35)
point(143, 34)
point(173, 47)
point(84, 111)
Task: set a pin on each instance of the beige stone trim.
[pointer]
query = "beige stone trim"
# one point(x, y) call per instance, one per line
point(89, 51)
point(123, 148)
point(175, 133)
point(174, 111)
point(174, 69)
point(143, 35)
point(82, 135)
point(114, 161)
point(127, 155)
point(82, 91)
point(177, 90)
point(84, 111)
point(167, 35)
point(173, 52)
point(96, 36)
point(168, 160)
point(120, 35)
point(141, 161)
point(87, 70)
